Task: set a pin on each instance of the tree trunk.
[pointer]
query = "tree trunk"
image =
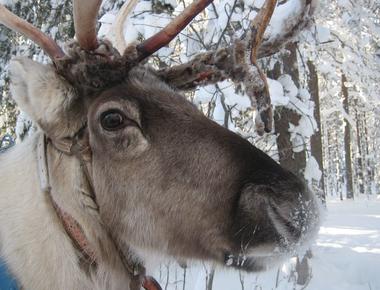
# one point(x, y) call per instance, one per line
point(293, 161)
point(316, 139)
point(359, 169)
point(210, 279)
point(241, 279)
point(369, 160)
point(347, 141)
point(303, 269)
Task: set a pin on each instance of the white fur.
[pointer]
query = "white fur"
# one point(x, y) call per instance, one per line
point(33, 242)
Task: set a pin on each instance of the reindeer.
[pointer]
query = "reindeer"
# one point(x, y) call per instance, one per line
point(122, 165)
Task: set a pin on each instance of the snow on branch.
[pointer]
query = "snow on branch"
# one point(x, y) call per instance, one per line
point(287, 22)
point(234, 63)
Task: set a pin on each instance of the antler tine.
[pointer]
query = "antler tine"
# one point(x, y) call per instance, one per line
point(258, 27)
point(163, 37)
point(85, 14)
point(116, 33)
point(17, 24)
point(259, 93)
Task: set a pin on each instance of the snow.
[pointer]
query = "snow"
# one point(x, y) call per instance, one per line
point(276, 92)
point(346, 256)
point(323, 34)
point(290, 88)
point(204, 94)
point(347, 252)
point(172, 3)
point(281, 15)
point(344, 4)
point(312, 171)
point(7, 2)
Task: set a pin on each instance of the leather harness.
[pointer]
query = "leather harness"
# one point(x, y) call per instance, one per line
point(73, 147)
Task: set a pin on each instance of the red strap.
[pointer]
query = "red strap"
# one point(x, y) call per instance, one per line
point(150, 283)
point(76, 234)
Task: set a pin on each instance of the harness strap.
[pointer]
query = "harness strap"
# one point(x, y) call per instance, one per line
point(71, 226)
point(42, 164)
point(75, 232)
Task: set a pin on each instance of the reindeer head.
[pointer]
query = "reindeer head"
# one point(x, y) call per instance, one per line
point(165, 177)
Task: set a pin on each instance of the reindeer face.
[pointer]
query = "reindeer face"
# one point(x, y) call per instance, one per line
point(171, 180)
point(165, 177)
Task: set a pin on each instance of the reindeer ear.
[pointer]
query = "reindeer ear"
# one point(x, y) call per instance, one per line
point(46, 97)
point(36, 88)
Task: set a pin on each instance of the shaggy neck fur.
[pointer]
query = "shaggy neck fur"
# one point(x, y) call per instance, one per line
point(33, 241)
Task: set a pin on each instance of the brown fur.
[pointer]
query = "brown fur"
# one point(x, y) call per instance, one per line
point(171, 181)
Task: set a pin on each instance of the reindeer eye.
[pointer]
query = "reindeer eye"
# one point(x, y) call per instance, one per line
point(112, 120)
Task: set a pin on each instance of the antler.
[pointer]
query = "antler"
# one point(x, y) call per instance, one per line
point(116, 34)
point(205, 68)
point(259, 91)
point(85, 14)
point(256, 89)
point(15, 23)
point(232, 62)
point(163, 37)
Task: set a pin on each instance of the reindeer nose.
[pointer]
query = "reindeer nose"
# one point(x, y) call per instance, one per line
point(294, 220)
point(284, 214)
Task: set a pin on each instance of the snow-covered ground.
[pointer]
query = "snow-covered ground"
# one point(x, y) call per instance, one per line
point(347, 252)
point(346, 256)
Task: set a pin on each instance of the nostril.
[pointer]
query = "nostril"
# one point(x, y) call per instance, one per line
point(284, 223)
point(296, 220)
point(279, 215)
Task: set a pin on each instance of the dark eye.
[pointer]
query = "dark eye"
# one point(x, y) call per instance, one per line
point(112, 120)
